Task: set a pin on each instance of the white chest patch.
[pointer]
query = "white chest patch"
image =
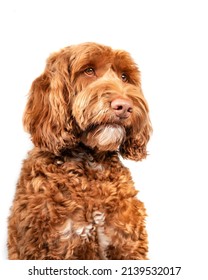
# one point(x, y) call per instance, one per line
point(103, 239)
point(70, 228)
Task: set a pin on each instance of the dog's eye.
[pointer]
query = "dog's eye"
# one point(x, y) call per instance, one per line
point(89, 71)
point(124, 77)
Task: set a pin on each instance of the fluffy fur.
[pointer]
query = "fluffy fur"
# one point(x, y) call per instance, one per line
point(74, 198)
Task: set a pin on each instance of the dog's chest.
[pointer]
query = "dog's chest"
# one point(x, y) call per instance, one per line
point(85, 195)
point(93, 179)
point(93, 183)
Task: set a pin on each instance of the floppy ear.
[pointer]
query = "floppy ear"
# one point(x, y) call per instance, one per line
point(47, 116)
point(135, 145)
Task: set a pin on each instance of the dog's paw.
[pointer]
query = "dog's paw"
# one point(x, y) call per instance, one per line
point(99, 218)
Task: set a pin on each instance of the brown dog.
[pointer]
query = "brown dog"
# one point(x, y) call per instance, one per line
point(74, 197)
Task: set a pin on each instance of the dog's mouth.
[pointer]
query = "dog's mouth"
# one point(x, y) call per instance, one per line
point(106, 137)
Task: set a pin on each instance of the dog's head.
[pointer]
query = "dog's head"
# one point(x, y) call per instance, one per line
point(92, 94)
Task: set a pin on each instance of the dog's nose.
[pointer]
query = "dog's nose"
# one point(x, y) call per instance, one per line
point(122, 107)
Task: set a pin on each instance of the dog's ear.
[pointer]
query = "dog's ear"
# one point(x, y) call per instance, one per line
point(135, 144)
point(46, 116)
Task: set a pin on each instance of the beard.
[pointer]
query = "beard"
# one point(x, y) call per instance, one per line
point(106, 137)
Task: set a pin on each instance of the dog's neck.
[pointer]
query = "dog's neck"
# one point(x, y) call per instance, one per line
point(86, 153)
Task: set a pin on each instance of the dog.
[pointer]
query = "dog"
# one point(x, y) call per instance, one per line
point(75, 199)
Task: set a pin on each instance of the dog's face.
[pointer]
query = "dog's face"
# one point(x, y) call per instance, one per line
point(89, 93)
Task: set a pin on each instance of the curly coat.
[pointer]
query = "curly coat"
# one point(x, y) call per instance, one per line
point(74, 198)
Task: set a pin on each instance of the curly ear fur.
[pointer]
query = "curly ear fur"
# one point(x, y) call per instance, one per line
point(46, 115)
point(134, 147)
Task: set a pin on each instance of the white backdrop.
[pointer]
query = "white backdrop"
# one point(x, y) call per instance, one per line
point(168, 40)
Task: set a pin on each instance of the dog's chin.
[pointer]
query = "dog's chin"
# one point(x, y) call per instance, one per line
point(106, 137)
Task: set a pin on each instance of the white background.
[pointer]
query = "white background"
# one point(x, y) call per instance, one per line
point(169, 41)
